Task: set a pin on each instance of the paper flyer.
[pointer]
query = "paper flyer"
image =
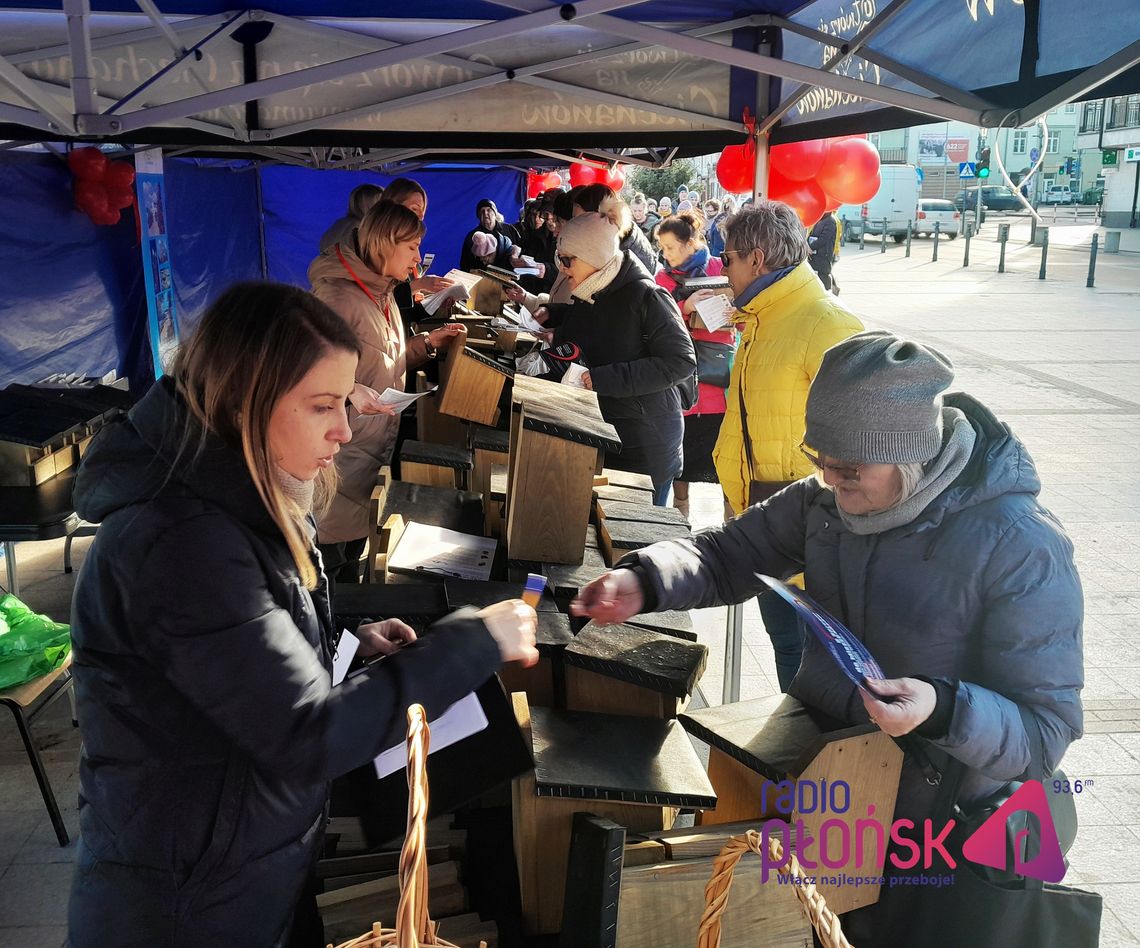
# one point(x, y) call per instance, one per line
point(849, 653)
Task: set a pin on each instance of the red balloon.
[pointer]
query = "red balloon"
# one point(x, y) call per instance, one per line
point(583, 174)
point(613, 178)
point(87, 164)
point(118, 176)
point(800, 161)
point(552, 179)
point(850, 172)
point(831, 205)
point(736, 169)
point(119, 199)
point(91, 197)
point(534, 185)
point(106, 217)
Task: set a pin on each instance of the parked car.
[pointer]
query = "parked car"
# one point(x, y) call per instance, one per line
point(942, 213)
point(1058, 194)
point(994, 197)
point(894, 202)
point(1093, 196)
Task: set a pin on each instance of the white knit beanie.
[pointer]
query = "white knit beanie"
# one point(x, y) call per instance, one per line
point(589, 237)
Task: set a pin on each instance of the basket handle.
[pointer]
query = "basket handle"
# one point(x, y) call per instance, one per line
point(823, 920)
point(413, 925)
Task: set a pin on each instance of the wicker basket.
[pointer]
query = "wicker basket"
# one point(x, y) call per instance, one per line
point(414, 928)
point(823, 920)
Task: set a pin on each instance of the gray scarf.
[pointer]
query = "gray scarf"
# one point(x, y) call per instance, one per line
point(939, 474)
point(299, 492)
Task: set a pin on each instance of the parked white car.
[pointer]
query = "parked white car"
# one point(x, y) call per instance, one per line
point(1058, 194)
point(943, 213)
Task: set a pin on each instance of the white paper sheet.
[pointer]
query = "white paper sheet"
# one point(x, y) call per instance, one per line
point(462, 719)
point(462, 285)
point(716, 311)
point(345, 653)
point(573, 376)
point(427, 549)
point(401, 400)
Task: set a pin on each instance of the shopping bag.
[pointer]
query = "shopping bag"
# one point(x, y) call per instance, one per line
point(31, 645)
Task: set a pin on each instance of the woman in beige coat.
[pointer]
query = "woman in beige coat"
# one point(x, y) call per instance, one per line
point(357, 278)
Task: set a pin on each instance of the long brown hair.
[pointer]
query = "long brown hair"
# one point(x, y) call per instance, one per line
point(254, 344)
point(385, 225)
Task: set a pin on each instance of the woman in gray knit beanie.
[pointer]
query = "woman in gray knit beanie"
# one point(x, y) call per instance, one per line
point(924, 535)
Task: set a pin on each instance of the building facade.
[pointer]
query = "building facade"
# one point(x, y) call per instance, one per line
point(1110, 128)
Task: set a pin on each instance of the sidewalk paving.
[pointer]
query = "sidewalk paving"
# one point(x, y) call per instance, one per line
point(1058, 361)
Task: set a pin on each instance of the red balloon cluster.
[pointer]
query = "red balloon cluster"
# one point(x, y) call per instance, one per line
point(537, 183)
point(812, 177)
point(102, 188)
point(582, 174)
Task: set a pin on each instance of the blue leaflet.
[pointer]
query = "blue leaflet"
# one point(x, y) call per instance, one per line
point(849, 653)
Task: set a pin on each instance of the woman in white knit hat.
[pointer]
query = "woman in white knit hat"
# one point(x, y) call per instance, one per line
point(634, 345)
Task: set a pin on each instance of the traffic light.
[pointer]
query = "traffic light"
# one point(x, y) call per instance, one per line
point(983, 168)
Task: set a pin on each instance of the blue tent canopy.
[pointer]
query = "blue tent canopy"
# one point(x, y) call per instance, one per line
point(530, 81)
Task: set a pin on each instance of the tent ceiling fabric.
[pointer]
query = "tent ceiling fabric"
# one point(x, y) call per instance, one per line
point(538, 80)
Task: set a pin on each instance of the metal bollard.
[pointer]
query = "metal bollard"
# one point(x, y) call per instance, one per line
point(1032, 229)
point(937, 226)
point(1044, 252)
point(883, 243)
point(1092, 260)
point(909, 225)
point(862, 233)
point(969, 234)
point(1003, 236)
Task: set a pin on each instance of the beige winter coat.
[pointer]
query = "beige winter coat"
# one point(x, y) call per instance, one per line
point(384, 358)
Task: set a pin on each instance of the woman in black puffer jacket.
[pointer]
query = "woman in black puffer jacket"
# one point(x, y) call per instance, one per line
point(203, 639)
point(634, 345)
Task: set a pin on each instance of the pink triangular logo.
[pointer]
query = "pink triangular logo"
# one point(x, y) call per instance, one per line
point(987, 845)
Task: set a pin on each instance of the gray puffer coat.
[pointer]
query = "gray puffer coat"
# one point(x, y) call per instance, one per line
point(979, 591)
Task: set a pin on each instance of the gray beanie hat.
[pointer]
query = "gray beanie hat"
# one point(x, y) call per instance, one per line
point(877, 399)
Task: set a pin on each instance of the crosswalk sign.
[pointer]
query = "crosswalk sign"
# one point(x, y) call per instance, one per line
point(966, 169)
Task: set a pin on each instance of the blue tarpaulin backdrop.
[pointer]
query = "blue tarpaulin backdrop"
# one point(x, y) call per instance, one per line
point(72, 297)
point(301, 203)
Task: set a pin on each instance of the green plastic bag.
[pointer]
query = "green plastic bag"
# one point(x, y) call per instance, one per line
point(31, 645)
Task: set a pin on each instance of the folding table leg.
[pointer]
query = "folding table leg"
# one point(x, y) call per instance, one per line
point(10, 562)
point(41, 774)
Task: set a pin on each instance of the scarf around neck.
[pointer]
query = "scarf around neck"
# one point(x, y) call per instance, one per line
point(940, 473)
point(760, 284)
point(598, 280)
point(696, 265)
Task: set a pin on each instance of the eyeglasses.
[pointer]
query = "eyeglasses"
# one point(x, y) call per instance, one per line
point(564, 262)
point(724, 254)
point(848, 472)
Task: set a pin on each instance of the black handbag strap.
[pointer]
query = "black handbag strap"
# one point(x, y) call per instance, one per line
point(744, 424)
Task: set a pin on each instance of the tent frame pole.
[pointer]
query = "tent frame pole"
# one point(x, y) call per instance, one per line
point(847, 50)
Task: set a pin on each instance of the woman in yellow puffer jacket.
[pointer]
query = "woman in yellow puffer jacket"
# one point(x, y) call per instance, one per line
point(789, 321)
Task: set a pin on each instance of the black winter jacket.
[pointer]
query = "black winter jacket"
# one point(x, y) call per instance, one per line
point(210, 726)
point(634, 343)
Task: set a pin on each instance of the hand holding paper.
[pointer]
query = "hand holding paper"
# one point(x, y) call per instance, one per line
point(715, 311)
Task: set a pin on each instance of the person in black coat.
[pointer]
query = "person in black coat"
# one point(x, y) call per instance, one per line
point(822, 243)
point(634, 345)
point(203, 638)
point(506, 239)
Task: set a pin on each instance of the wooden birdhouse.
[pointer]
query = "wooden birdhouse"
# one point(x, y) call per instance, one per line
point(558, 439)
point(470, 384)
point(435, 465)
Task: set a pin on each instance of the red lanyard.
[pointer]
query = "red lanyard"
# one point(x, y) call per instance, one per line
point(384, 308)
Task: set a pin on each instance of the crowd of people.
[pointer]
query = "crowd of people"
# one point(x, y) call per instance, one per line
point(240, 485)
